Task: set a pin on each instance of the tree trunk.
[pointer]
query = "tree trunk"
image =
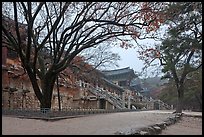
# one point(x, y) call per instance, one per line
point(45, 104)
point(179, 107)
point(47, 86)
point(199, 100)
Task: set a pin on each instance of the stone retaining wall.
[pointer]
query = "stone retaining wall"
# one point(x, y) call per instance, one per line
point(45, 114)
point(153, 129)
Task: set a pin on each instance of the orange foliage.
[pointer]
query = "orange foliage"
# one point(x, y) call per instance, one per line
point(151, 53)
point(149, 14)
point(80, 62)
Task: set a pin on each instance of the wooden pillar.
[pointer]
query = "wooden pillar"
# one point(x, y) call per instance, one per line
point(97, 103)
point(123, 98)
point(128, 101)
point(106, 107)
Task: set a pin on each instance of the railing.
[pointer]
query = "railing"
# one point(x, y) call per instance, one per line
point(116, 101)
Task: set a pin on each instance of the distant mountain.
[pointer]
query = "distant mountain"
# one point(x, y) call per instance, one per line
point(152, 86)
point(154, 81)
point(149, 87)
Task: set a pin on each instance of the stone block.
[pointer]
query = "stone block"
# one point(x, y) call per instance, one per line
point(151, 130)
point(161, 125)
point(144, 133)
point(157, 129)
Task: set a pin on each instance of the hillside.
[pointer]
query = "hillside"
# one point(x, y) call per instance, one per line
point(192, 92)
point(152, 86)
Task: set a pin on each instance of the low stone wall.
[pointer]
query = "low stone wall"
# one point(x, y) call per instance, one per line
point(154, 129)
point(46, 114)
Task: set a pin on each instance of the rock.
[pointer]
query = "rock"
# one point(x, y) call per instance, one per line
point(168, 122)
point(119, 133)
point(144, 133)
point(161, 125)
point(172, 120)
point(137, 133)
point(177, 117)
point(151, 130)
point(157, 129)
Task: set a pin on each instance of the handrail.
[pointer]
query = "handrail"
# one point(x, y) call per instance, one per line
point(116, 101)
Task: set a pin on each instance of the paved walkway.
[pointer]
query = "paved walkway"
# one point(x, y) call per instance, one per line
point(101, 124)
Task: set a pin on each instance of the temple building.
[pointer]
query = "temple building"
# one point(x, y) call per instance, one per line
point(121, 77)
point(93, 90)
point(77, 89)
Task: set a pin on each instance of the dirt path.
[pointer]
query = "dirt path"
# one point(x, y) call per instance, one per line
point(186, 126)
point(101, 124)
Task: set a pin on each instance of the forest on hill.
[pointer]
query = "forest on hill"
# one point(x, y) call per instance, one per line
point(166, 90)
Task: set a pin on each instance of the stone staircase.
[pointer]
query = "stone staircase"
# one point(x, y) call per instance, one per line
point(101, 93)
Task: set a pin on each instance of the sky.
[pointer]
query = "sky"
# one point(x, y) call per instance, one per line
point(130, 57)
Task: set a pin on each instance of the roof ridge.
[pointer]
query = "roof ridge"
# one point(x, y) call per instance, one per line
point(116, 69)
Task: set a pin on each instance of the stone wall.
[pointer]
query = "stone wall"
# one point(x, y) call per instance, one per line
point(17, 91)
point(18, 100)
point(70, 98)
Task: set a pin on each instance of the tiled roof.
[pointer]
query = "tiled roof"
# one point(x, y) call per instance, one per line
point(118, 71)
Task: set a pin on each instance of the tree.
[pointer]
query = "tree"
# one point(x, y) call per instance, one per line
point(101, 57)
point(193, 87)
point(193, 92)
point(56, 32)
point(180, 52)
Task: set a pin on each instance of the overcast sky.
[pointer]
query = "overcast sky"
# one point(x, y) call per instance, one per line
point(129, 57)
